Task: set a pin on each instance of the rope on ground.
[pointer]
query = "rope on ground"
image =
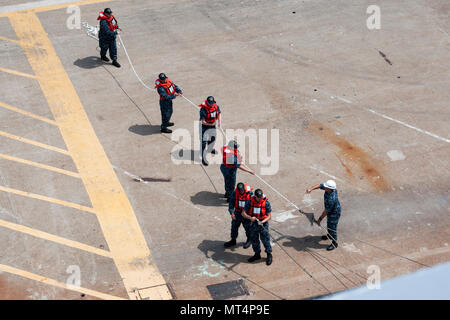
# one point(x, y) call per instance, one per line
point(263, 180)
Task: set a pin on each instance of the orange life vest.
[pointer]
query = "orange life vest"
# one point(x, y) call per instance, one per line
point(112, 22)
point(258, 209)
point(212, 112)
point(241, 199)
point(168, 87)
point(226, 152)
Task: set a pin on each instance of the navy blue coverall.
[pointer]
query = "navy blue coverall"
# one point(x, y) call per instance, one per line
point(260, 231)
point(333, 207)
point(229, 174)
point(239, 219)
point(166, 106)
point(107, 40)
point(208, 133)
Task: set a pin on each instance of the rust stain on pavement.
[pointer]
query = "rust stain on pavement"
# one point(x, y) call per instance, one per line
point(360, 159)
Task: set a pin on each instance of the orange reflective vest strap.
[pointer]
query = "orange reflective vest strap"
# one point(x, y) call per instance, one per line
point(258, 208)
point(112, 22)
point(212, 112)
point(168, 87)
point(227, 152)
point(241, 199)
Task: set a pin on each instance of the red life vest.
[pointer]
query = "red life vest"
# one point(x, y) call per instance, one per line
point(168, 87)
point(112, 22)
point(241, 199)
point(258, 209)
point(227, 152)
point(212, 112)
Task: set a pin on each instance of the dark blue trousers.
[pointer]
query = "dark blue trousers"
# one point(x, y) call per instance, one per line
point(108, 44)
point(258, 232)
point(166, 107)
point(236, 223)
point(229, 175)
point(208, 138)
point(332, 223)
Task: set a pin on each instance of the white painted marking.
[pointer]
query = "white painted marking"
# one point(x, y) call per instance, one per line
point(286, 215)
point(343, 99)
point(410, 126)
point(308, 200)
point(396, 155)
point(351, 247)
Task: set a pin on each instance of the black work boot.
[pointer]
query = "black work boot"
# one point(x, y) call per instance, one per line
point(165, 130)
point(332, 246)
point(230, 243)
point(269, 259)
point(247, 243)
point(205, 163)
point(257, 256)
point(105, 58)
point(170, 124)
point(116, 64)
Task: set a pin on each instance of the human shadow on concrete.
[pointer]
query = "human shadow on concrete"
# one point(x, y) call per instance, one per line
point(145, 129)
point(215, 250)
point(208, 198)
point(300, 244)
point(89, 62)
point(185, 154)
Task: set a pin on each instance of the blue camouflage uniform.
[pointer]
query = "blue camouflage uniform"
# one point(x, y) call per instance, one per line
point(210, 137)
point(166, 105)
point(333, 207)
point(260, 231)
point(239, 219)
point(229, 174)
point(107, 40)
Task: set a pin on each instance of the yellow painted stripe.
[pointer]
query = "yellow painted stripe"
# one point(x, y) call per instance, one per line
point(26, 113)
point(32, 142)
point(65, 5)
point(48, 199)
point(45, 280)
point(40, 165)
point(18, 73)
point(127, 243)
point(54, 238)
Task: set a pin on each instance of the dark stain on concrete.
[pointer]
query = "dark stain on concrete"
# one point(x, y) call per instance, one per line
point(385, 58)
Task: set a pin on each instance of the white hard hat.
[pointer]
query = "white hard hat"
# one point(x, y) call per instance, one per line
point(330, 184)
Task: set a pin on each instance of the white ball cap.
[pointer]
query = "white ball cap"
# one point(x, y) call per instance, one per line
point(330, 184)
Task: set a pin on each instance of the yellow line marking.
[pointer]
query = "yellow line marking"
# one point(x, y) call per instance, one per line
point(26, 113)
point(52, 282)
point(32, 142)
point(41, 6)
point(115, 214)
point(40, 165)
point(65, 5)
point(18, 73)
point(48, 199)
point(54, 238)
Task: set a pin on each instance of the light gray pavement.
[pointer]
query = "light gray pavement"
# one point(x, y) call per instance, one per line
point(313, 74)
